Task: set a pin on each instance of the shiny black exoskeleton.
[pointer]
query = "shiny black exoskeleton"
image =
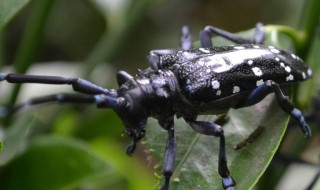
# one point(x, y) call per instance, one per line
point(188, 83)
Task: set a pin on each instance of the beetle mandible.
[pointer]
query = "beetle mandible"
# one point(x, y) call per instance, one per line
point(188, 83)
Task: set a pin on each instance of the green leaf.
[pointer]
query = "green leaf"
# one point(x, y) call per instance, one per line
point(53, 163)
point(8, 9)
point(196, 163)
point(15, 137)
point(135, 172)
point(1, 146)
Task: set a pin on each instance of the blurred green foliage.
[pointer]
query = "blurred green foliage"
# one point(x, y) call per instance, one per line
point(81, 147)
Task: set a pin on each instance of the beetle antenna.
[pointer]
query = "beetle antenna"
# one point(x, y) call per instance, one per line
point(102, 101)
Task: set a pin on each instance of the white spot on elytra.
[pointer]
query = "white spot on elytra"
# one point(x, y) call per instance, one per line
point(277, 59)
point(282, 65)
point(259, 82)
point(218, 93)
point(143, 81)
point(293, 56)
point(250, 62)
point(185, 53)
point(204, 50)
point(257, 71)
point(215, 84)
point(304, 75)
point(274, 50)
point(289, 78)
point(236, 89)
point(225, 61)
point(238, 47)
point(288, 69)
point(208, 70)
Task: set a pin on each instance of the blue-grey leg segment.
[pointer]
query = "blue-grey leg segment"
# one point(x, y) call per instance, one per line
point(170, 153)
point(260, 34)
point(185, 38)
point(208, 31)
point(297, 115)
point(123, 77)
point(213, 129)
point(154, 57)
point(270, 86)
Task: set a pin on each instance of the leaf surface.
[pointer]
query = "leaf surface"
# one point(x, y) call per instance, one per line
point(53, 163)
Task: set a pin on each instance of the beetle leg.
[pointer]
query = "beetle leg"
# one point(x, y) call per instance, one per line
point(170, 153)
point(185, 38)
point(288, 106)
point(154, 57)
point(213, 129)
point(78, 84)
point(208, 31)
point(123, 77)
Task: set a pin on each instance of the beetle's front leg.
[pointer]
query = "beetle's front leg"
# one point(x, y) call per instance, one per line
point(208, 31)
point(213, 129)
point(154, 57)
point(170, 153)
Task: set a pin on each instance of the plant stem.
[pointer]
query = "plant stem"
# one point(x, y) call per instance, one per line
point(111, 40)
point(308, 24)
point(31, 40)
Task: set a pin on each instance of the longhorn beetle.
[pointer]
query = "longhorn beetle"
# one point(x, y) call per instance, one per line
point(188, 83)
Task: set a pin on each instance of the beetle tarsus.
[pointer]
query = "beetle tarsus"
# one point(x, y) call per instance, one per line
point(228, 183)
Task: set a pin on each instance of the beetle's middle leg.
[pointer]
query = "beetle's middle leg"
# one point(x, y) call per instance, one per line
point(213, 129)
point(208, 31)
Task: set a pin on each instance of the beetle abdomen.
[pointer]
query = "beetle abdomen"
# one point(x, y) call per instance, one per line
point(216, 74)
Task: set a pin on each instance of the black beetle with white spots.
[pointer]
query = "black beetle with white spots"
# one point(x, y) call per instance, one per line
point(187, 83)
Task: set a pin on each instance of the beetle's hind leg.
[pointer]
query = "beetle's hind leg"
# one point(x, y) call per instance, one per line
point(213, 129)
point(208, 31)
point(288, 106)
